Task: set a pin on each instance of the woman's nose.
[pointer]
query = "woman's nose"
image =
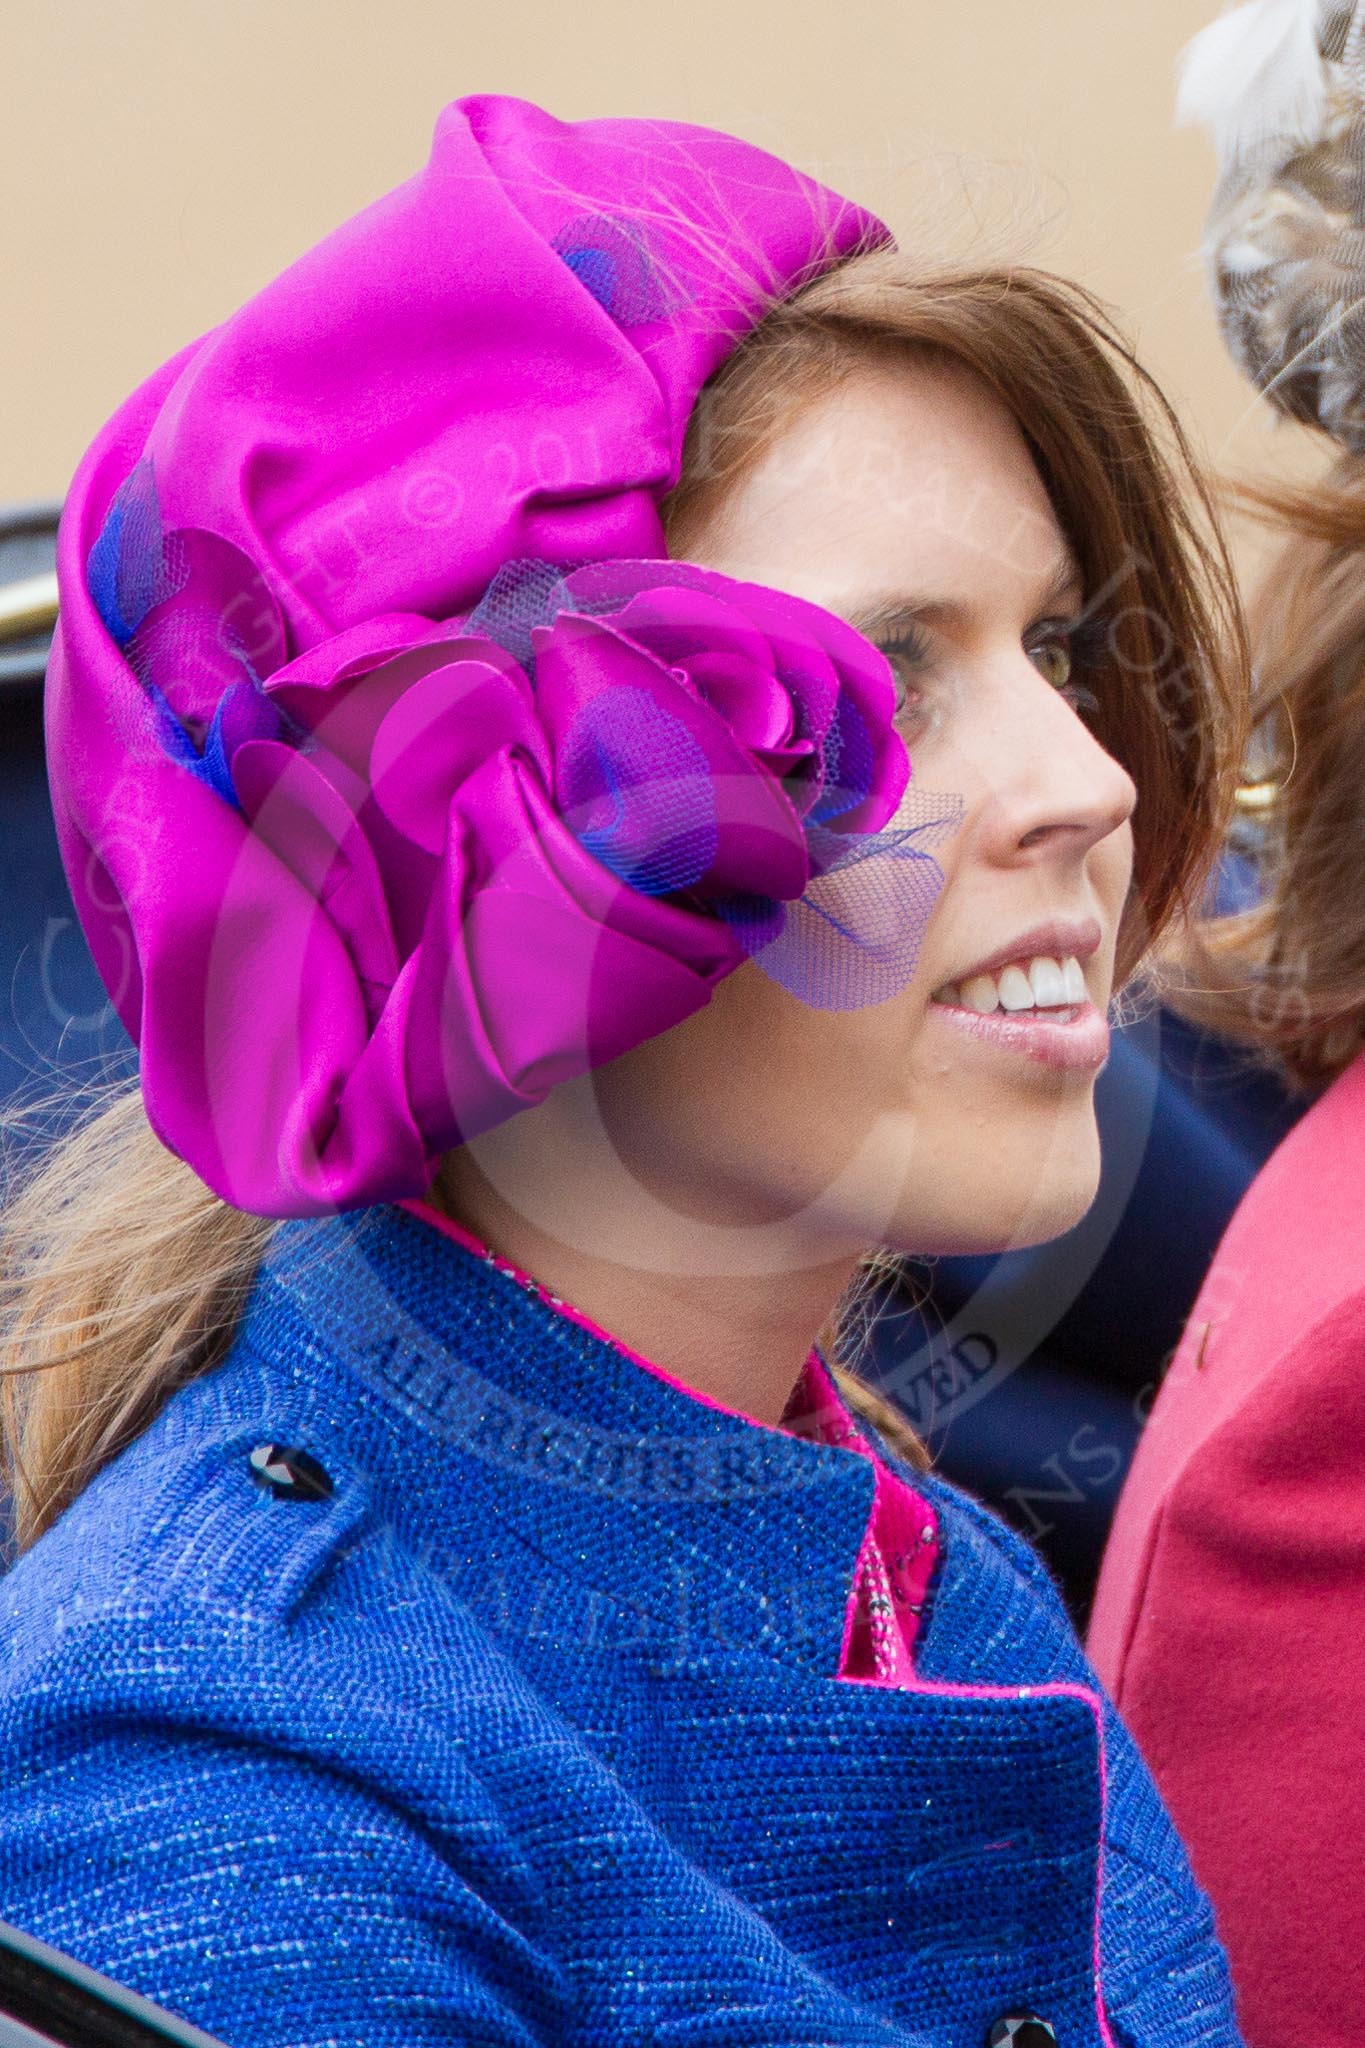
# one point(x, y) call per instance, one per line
point(1053, 790)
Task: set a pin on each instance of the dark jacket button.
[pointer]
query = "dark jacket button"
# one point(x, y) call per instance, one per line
point(1021, 2030)
point(288, 1473)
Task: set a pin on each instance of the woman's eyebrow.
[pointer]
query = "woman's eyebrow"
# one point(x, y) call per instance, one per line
point(1066, 583)
point(891, 612)
point(877, 616)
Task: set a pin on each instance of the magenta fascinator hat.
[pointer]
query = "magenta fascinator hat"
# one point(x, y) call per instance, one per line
point(399, 775)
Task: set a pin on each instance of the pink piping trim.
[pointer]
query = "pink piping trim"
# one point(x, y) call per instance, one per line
point(815, 1366)
point(1060, 1689)
point(898, 1504)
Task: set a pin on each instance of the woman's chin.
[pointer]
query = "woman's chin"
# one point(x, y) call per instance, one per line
point(1003, 1212)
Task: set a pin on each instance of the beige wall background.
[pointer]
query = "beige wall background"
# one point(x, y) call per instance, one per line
point(164, 158)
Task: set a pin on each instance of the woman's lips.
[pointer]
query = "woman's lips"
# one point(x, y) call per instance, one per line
point(1074, 1040)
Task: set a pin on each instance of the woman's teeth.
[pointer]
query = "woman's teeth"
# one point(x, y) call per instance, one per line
point(1039, 984)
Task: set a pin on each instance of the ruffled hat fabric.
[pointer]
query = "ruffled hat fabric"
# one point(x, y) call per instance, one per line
point(371, 666)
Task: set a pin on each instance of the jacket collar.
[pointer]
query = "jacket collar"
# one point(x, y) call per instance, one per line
point(717, 1530)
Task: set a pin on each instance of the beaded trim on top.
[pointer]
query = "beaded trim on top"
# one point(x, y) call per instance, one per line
point(897, 1560)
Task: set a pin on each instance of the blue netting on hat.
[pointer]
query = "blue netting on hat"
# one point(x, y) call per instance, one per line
point(529, 591)
point(607, 254)
point(188, 657)
point(847, 761)
point(130, 568)
point(520, 595)
point(853, 937)
point(635, 790)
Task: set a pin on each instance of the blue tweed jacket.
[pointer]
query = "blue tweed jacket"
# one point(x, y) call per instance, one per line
point(527, 1731)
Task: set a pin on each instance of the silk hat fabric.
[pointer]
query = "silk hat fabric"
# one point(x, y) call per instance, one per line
point(398, 773)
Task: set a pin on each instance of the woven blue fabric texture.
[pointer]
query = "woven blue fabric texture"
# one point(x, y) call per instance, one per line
point(526, 1734)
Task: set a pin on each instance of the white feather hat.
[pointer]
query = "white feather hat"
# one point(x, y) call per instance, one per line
point(1255, 73)
point(1281, 84)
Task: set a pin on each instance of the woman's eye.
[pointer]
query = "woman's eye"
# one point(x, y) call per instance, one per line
point(1052, 649)
point(908, 655)
point(1052, 658)
point(1053, 654)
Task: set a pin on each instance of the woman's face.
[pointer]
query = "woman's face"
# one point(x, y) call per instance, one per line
point(762, 1135)
point(957, 1115)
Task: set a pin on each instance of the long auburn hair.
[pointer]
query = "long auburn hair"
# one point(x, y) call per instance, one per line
point(1287, 977)
point(121, 1275)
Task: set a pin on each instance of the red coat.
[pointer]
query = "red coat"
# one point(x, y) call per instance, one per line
point(1230, 1618)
